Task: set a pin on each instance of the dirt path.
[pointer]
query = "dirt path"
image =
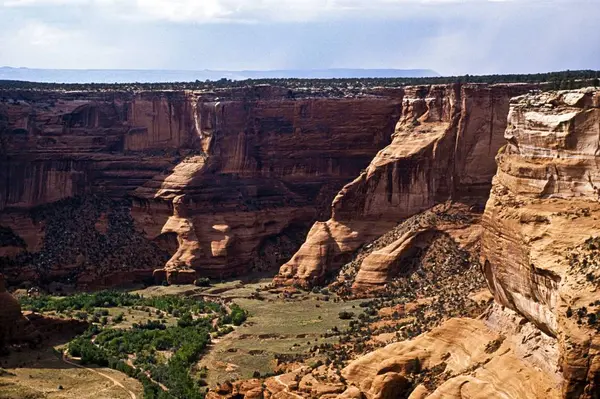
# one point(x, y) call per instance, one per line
point(114, 381)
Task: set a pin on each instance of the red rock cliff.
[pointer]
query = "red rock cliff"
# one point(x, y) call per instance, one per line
point(540, 243)
point(443, 148)
point(540, 254)
point(98, 188)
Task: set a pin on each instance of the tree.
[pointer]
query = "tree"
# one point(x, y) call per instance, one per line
point(345, 315)
point(186, 320)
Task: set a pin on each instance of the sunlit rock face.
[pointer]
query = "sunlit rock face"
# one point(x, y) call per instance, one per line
point(476, 361)
point(540, 252)
point(103, 188)
point(443, 148)
point(540, 247)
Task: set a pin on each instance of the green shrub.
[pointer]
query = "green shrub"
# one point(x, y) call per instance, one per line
point(118, 318)
point(238, 315)
point(202, 282)
point(112, 347)
point(346, 315)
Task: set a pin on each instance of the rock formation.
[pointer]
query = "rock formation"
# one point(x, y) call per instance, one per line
point(101, 188)
point(10, 313)
point(540, 252)
point(443, 148)
point(410, 238)
point(463, 358)
point(14, 327)
point(540, 241)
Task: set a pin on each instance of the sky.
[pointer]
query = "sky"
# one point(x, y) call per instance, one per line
point(452, 37)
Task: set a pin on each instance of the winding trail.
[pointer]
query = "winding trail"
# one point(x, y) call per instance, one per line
point(113, 380)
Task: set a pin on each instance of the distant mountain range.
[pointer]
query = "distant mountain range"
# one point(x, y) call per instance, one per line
point(152, 76)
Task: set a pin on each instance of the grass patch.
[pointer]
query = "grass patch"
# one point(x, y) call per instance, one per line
point(274, 327)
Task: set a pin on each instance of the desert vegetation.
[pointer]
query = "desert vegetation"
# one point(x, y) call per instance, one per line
point(159, 350)
point(557, 80)
point(72, 236)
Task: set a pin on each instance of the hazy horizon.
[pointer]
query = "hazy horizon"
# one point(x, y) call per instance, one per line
point(168, 75)
point(451, 37)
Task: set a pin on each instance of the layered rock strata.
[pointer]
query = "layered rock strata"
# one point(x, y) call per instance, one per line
point(540, 242)
point(443, 148)
point(412, 237)
point(101, 188)
point(540, 252)
point(463, 358)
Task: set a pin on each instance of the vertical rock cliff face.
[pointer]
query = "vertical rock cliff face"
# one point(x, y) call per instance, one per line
point(540, 253)
point(58, 145)
point(443, 148)
point(540, 244)
point(101, 188)
point(266, 166)
point(68, 161)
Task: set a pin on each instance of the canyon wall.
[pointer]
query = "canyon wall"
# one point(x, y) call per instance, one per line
point(100, 188)
point(540, 243)
point(443, 148)
point(540, 253)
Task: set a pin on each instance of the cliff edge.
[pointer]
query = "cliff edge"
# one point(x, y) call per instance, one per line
point(443, 148)
point(539, 255)
point(104, 188)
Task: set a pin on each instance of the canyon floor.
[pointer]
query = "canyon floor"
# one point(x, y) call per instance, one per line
point(287, 329)
point(35, 374)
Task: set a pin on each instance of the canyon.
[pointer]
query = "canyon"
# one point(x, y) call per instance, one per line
point(538, 244)
point(443, 148)
point(129, 183)
point(539, 251)
point(106, 188)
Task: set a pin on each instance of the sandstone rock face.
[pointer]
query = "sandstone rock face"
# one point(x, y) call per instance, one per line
point(540, 253)
point(443, 148)
point(401, 245)
point(104, 188)
point(379, 266)
point(539, 246)
point(10, 312)
point(463, 358)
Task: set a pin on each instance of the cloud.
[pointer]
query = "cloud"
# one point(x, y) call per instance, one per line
point(449, 36)
point(37, 44)
point(38, 34)
point(255, 11)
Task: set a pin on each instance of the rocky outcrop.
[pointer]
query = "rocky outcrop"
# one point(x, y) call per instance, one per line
point(540, 253)
point(540, 247)
point(102, 188)
point(14, 327)
point(10, 312)
point(463, 358)
point(379, 267)
point(443, 148)
point(460, 222)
